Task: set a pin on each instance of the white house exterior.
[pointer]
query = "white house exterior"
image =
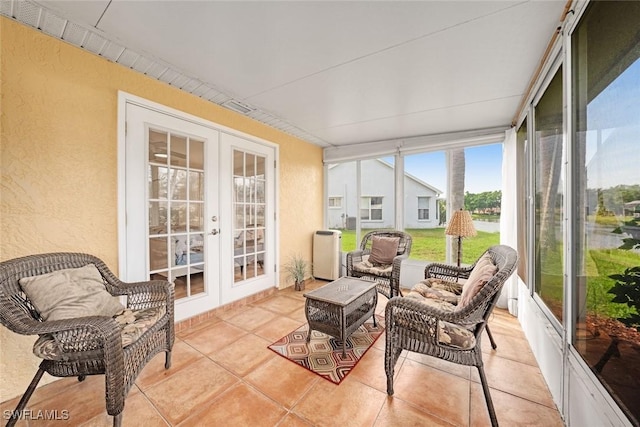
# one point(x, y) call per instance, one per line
point(377, 198)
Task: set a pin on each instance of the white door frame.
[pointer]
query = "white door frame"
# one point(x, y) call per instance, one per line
point(125, 98)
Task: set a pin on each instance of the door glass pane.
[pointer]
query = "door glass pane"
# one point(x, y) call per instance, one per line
point(549, 195)
point(158, 253)
point(196, 186)
point(178, 183)
point(178, 156)
point(178, 217)
point(607, 157)
point(158, 147)
point(158, 179)
point(260, 167)
point(157, 218)
point(196, 216)
point(176, 211)
point(249, 222)
point(196, 154)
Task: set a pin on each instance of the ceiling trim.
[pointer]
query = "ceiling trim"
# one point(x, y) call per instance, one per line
point(414, 145)
point(92, 40)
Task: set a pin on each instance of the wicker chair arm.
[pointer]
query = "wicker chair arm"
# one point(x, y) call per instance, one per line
point(356, 255)
point(397, 263)
point(141, 295)
point(353, 257)
point(416, 310)
point(87, 333)
point(447, 271)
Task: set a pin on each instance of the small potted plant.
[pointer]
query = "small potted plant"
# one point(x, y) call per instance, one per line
point(296, 269)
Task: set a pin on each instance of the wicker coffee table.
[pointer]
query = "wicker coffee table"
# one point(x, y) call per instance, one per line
point(340, 307)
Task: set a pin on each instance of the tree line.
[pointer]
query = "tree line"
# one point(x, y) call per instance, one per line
point(487, 202)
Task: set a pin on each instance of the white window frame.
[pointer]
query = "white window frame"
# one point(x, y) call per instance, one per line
point(335, 199)
point(428, 208)
point(368, 207)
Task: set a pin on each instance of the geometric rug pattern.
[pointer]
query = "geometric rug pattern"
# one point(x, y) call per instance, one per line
point(323, 354)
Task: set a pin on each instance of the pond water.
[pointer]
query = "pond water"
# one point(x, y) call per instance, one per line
point(600, 237)
point(487, 226)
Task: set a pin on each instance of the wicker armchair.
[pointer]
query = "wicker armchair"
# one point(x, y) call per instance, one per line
point(89, 345)
point(387, 277)
point(454, 273)
point(452, 335)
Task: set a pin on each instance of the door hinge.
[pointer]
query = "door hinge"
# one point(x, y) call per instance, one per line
point(275, 163)
point(275, 268)
point(125, 128)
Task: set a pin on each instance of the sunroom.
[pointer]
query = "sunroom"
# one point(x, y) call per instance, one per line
point(223, 119)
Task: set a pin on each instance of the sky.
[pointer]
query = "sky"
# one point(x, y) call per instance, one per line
point(483, 168)
point(613, 132)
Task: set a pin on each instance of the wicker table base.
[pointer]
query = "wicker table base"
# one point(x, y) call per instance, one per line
point(341, 307)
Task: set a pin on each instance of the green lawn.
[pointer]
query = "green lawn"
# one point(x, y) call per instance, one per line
point(429, 244)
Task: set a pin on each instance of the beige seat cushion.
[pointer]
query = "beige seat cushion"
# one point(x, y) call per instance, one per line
point(383, 250)
point(380, 270)
point(70, 293)
point(133, 323)
point(483, 271)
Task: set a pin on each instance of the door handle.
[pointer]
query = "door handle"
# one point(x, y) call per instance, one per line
point(214, 232)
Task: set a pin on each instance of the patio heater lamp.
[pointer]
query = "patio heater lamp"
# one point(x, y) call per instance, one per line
point(461, 225)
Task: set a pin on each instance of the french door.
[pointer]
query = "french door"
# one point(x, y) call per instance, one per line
point(249, 217)
point(172, 206)
point(197, 207)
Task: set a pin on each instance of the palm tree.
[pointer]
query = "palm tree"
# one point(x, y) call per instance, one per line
point(455, 200)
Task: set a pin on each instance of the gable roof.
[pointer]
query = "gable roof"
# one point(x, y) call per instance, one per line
point(406, 174)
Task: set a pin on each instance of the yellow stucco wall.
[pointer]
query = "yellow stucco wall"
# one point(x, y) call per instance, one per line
point(58, 154)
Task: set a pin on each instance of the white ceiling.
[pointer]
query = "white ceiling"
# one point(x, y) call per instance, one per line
point(343, 72)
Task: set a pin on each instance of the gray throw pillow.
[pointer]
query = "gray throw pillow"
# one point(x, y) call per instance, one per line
point(71, 293)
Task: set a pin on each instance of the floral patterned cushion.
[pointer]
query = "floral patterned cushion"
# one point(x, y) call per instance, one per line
point(439, 289)
point(133, 323)
point(449, 334)
point(444, 295)
point(382, 270)
point(455, 336)
point(440, 304)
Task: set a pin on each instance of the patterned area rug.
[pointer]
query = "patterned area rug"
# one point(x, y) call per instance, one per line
point(323, 354)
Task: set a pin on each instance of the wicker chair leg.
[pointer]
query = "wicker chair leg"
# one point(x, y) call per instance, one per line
point(487, 397)
point(117, 420)
point(25, 398)
point(390, 384)
point(390, 359)
point(167, 360)
point(81, 378)
point(493, 343)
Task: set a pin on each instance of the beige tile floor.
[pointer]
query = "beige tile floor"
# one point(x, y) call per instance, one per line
point(224, 374)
